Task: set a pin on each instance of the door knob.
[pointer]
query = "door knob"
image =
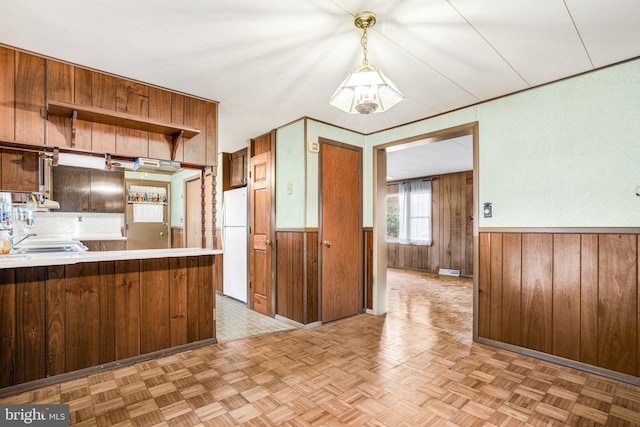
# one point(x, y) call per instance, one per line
point(267, 242)
point(327, 243)
point(162, 233)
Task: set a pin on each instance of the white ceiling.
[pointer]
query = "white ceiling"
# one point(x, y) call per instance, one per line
point(426, 158)
point(269, 63)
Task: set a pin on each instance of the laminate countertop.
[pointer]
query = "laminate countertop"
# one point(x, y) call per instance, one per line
point(16, 260)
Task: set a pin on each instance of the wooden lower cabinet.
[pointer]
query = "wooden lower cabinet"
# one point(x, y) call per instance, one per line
point(59, 319)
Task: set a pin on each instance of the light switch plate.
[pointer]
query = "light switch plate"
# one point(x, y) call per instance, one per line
point(314, 146)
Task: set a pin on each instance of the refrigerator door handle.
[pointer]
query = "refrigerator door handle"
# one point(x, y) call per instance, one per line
point(222, 229)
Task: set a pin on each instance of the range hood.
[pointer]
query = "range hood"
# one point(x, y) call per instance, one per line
point(154, 165)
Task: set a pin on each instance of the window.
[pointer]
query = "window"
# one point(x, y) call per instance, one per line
point(414, 202)
point(393, 217)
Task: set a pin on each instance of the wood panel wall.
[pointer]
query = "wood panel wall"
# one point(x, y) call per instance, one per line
point(59, 319)
point(368, 268)
point(297, 270)
point(297, 275)
point(177, 237)
point(452, 214)
point(566, 294)
point(24, 120)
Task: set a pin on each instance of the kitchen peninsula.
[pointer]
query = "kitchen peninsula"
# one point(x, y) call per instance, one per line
point(64, 312)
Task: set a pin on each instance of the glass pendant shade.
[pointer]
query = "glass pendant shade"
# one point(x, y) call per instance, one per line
point(366, 90)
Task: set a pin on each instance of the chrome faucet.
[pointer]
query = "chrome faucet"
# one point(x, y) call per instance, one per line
point(21, 237)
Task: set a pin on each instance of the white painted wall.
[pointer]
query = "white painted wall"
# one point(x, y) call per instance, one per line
point(297, 170)
point(290, 176)
point(316, 130)
point(177, 195)
point(562, 155)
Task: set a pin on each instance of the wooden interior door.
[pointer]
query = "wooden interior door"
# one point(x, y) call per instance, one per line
point(193, 214)
point(260, 236)
point(340, 228)
point(144, 233)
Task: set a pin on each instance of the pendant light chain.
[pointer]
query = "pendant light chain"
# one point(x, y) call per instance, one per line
point(363, 42)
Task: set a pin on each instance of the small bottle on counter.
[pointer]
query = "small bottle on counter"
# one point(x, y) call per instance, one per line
point(5, 243)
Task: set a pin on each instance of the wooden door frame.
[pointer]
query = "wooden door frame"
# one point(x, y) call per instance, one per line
point(359, 150)
point(184, 207)
point(379, 230)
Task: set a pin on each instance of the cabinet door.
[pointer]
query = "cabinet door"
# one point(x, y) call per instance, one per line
point(237, 169)
point(19, 171)
point(71, 188)
point(107, 191)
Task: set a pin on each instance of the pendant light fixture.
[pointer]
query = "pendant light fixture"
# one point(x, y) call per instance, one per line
point(366, 90)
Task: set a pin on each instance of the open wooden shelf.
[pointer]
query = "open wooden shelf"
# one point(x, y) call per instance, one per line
point(108, 117)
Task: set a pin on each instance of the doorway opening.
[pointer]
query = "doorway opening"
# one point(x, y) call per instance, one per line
point(147, 221)
point(448, 160)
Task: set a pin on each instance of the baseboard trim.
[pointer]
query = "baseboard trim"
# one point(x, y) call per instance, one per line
point(297, 324)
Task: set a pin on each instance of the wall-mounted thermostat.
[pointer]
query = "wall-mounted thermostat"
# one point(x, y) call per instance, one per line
point(314, 147)
point(486, 210)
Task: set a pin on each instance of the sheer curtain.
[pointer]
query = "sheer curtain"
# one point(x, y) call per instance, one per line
point(414, 199)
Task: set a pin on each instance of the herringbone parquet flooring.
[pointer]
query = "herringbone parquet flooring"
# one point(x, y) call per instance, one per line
point(417, 366)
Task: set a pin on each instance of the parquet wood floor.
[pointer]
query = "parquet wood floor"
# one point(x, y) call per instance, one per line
point(416, 366)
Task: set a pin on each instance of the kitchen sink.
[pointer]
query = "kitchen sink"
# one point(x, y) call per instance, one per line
point(29, 250)
point(39, 246)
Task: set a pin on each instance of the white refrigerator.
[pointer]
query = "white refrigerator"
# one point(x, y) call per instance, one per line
point(234, 244)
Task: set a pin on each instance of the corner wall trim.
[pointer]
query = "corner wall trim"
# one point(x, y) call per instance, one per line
point(298, 325)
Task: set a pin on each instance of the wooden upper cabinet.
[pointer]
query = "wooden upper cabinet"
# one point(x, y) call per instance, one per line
point(19, 171)
point(49, 102)
point(29, 99)
point(132, 98)
point(103, 95)
point(71, 188)
point(212, 134)
point(107, 191)
point(88, 190)
point(7, 93)
point(195, 115)
point(60, 87)
point(177, 117)
point(238, 168)
point(159, 109)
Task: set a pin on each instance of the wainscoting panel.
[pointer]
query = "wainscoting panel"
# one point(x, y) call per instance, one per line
point(297, 292)
point(368, 268)
point(570, 295)
point(297, 275)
